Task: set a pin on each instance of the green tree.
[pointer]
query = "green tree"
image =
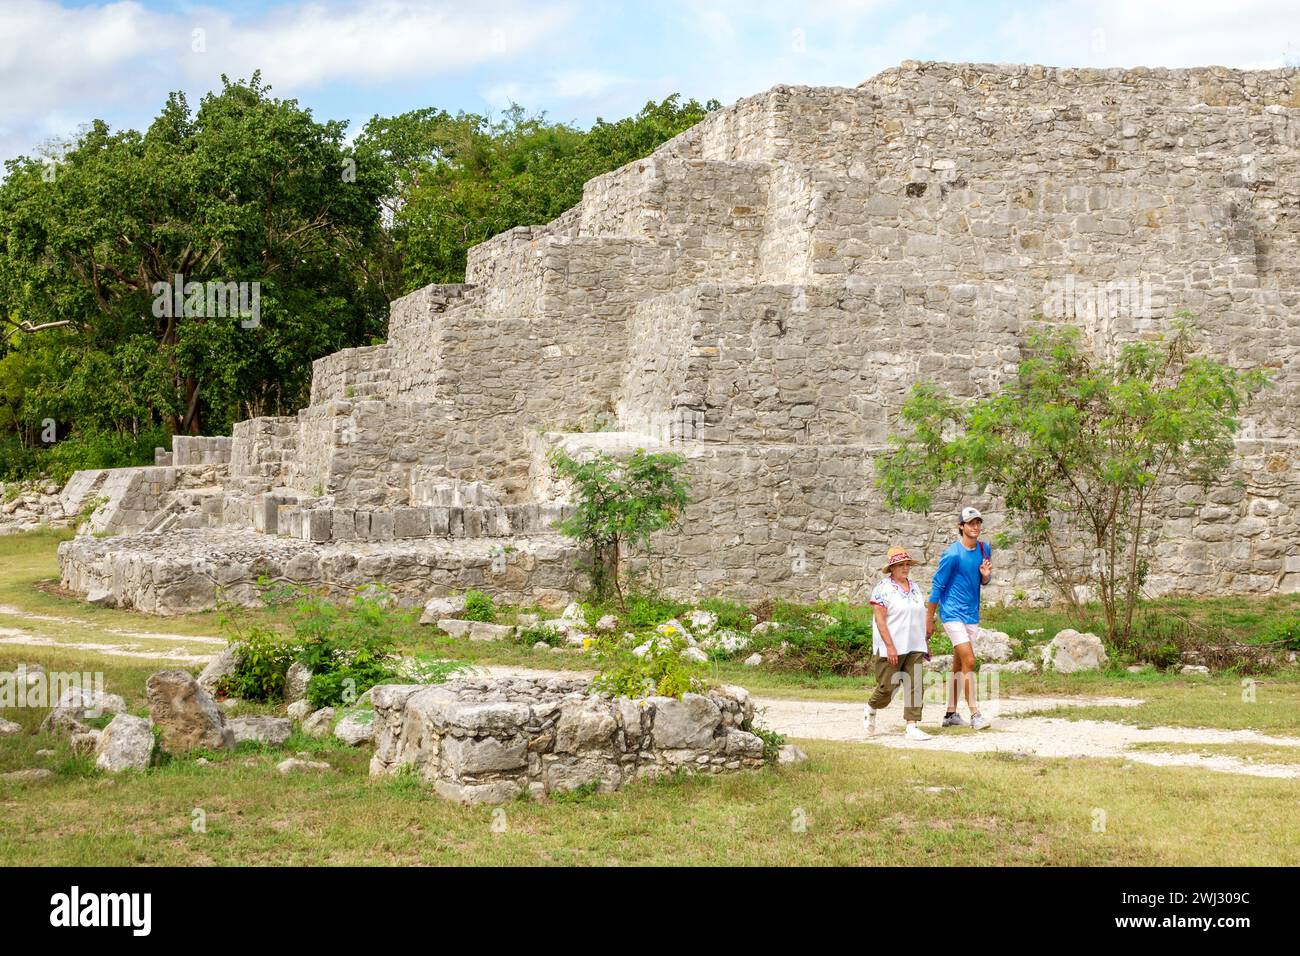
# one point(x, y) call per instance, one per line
point(455, 181)
point(1079, 450)
point(247, 189)
point(620, 502)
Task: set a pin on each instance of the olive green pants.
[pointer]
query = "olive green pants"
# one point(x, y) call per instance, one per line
point(906, 672)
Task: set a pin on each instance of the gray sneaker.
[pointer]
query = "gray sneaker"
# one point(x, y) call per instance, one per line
point(978, 721)
point(953, 721)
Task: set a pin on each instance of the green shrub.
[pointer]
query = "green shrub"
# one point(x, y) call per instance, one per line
point(264, 658)
point(772, 741)
point(348, 648)
point(842, 648)
point(479, 607)
point(662, 670)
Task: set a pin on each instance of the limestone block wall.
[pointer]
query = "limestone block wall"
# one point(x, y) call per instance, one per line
point(806, 364)
point(489, 741)
point(197, 450)
point(358, 373)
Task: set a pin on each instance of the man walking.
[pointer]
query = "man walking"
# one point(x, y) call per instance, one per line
point(955, 591)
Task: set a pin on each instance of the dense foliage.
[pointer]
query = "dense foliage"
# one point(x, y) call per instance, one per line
point(1080, 450)
point(98, 365)
point(619, 502)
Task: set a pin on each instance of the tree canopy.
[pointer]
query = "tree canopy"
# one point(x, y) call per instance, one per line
point(97, 354)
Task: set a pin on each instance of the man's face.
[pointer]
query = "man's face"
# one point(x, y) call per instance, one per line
point(971, 529)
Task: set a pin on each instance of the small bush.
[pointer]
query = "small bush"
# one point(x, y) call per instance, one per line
point(842, 648)
point(264, 658)
point(479, 607)
point(661, 670)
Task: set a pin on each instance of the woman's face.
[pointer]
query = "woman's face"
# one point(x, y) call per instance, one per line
point(899, 571)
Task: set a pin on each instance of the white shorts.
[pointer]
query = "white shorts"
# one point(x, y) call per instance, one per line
point(959, 633)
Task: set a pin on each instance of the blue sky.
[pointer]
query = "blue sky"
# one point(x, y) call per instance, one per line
point(64, 62)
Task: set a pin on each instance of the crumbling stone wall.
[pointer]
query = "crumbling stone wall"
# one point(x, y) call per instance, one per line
point(488, 741)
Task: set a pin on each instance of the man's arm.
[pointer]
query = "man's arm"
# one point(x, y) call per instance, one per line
point(938, 588)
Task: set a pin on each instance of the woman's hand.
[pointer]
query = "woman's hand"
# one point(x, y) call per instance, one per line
point(892, 653)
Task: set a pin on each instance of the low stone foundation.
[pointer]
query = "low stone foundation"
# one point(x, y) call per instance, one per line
point(178, 571)
point(488, 740)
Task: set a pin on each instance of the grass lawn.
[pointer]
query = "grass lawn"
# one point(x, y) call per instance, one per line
point(857, 804)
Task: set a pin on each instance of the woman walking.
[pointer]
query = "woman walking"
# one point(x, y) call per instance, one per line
point(899, 643)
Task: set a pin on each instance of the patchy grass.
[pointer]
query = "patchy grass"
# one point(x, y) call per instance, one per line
point(849, 805)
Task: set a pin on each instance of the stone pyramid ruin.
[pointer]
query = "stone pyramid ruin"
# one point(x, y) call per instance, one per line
point(759, 294)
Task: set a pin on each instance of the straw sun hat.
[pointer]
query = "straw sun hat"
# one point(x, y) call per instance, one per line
point(897, 556)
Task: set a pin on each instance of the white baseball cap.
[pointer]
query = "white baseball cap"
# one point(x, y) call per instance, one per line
point(970, 514)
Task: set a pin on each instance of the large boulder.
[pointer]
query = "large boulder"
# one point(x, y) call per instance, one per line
point(186, 713)
point(9, 729)
point(272, 731)
point(994, 645)
point(219, 668)
point(127, 743)
point(1070, 652)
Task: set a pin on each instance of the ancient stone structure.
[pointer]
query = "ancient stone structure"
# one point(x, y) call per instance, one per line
point(759, 294)
point(489, 740)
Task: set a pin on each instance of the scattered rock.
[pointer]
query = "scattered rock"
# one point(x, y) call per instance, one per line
point(31, 774)
point(695, 654)
point(85, 743)
point(702, 622)
point(442, 607)
point(1138, 668)
point(476, 630)
point(939, 662)
point(294, 765)
point(994, 645)
point(1010, 667)
point(541, 646)
point(318, 723)
point(101, 598)
point(572, 612)
point(753, 660)
point(1034, 631)
point(607, 623)
point(219, 668)
point(10, 729)
point(357, 727)
point(1070, 652)
point(77, 705)
point(127, 743)
point(765, 627)
point(295, 682)
point(1194, 669)
point(272, 731)
point(299, 709)
point(45, 753)
point(186, 714)
point(791, 754)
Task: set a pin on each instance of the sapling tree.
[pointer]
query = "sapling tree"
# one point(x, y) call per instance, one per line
point(1079, 450)
point(620, 502)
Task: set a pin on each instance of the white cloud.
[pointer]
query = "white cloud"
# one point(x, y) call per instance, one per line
point(121, 59)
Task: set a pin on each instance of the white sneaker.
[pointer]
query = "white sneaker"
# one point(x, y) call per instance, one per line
point(869, 721)
point(914, 732)
point(978, 721)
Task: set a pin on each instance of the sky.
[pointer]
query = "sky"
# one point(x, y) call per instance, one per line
point(65, 62)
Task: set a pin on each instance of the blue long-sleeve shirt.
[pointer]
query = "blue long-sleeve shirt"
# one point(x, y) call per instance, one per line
point(956, 584)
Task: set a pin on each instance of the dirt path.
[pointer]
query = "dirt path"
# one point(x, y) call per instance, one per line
point(820, 720)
